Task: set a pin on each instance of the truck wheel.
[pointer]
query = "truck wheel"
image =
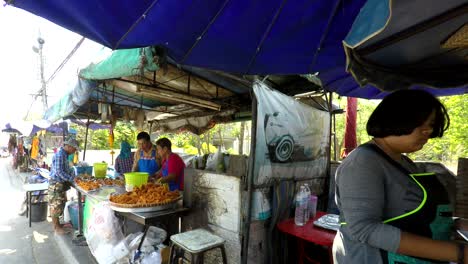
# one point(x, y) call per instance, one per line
point(284, 149)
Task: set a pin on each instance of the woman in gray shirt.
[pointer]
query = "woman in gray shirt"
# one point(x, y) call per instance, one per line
point(390, 211)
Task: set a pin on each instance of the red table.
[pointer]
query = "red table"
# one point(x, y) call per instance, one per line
point(309, 233)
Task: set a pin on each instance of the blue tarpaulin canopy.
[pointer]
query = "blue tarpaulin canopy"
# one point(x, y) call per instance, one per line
point(240, 37)
point(401, 44)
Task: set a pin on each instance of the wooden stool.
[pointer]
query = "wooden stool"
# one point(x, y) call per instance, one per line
point(196, 242)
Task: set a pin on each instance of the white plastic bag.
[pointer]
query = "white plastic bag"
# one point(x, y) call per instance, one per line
point(152, 258)
point(66, 213)
point(104, 232)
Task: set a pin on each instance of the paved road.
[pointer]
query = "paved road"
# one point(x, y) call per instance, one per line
point(18, 242)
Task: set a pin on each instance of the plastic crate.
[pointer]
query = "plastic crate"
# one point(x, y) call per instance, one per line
point(83, 170)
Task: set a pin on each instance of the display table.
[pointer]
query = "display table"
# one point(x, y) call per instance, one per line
point(29, 189)
point(309, 233)
point(146, 218)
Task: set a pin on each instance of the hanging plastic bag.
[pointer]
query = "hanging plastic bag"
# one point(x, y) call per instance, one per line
point(104, 232)
point(153, 258)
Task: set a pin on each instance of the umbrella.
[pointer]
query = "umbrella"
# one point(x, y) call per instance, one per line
point(401, 44)
point(9, 129)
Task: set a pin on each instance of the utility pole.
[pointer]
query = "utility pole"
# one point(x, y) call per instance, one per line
point(39, 50)
point(43, 82)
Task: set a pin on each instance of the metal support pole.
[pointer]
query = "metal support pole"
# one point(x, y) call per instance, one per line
point(324, 201)
point(80, 214)
point(86, 139)
point(248, 186)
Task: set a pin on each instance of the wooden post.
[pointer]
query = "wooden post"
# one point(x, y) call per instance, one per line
point(461, 204)
point(86, 140)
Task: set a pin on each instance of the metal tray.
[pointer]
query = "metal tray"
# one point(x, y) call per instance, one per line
point(146, 209)
point(328, 221)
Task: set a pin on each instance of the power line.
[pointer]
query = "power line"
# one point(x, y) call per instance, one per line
point(66, 59)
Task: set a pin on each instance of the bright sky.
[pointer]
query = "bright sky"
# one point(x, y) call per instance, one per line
point(19, 64)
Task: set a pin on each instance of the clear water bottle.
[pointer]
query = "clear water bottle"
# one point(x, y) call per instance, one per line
point(301, 207)
point(307, 201)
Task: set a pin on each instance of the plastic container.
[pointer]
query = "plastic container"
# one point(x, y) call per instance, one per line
point(83, 170)
point(73, 211)
point(100, 169)
point(312, 205)
point(261, 209)
point(39, 211)
point(135, 179)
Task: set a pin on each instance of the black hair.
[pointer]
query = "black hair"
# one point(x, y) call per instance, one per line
point(402, 111)
point(143, 135)
point(164, 142)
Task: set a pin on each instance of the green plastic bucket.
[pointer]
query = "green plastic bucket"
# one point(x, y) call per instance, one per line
point(100, 169)
point(135, 179)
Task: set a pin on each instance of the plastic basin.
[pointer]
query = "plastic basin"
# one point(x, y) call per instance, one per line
point(136, 179)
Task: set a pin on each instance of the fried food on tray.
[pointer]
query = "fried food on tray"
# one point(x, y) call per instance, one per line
point(119, 182)
point(149, 193)
point(106, 181)
point(87, 185)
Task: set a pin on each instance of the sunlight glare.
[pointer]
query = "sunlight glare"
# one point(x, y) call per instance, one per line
point(7, 251)
point(38, 237)
point(5, 228)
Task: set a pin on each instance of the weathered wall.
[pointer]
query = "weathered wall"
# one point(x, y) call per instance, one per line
point(214, 200)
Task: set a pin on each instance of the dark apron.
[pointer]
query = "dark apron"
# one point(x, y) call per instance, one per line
point(148, 164)
point(432, 218)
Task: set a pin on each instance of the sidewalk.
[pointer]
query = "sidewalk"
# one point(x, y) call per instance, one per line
point(71, 253)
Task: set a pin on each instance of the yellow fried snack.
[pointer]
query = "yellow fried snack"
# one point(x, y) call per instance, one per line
point(87, 185)
point(149, 193)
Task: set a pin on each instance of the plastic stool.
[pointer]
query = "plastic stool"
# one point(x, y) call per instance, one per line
point(196, 242)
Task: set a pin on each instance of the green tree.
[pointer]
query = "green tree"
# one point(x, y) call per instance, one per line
point(99, 139)
point(454, 143)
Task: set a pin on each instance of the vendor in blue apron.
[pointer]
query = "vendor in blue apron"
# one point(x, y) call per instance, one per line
point(146, 157)
point(172, 168)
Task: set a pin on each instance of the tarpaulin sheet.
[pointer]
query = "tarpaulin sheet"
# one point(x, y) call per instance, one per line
point(121, 63)
point(69, 103)
point(292, 138)
point(248, 37)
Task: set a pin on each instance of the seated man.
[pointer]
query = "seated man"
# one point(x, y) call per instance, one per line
point(172, 168)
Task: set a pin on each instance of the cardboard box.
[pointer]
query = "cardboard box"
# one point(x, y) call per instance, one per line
point(165, 255)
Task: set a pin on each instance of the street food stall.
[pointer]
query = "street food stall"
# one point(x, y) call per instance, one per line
point(294, 136)
point(265, 39)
